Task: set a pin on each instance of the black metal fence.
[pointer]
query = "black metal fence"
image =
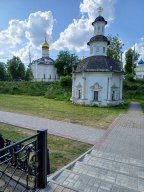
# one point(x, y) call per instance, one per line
point(24, 165)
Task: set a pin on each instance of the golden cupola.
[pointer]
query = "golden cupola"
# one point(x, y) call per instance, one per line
point(45, 45)
point(45, 48)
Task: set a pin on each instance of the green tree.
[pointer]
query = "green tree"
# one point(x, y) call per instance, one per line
point(15, 68)
point(65, 63)
point(130, 61)
point(115, 48)
point(3, 74)
point(28, 74)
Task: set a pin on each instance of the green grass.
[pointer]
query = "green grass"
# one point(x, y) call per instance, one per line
point(60, 110)
point(62, 151)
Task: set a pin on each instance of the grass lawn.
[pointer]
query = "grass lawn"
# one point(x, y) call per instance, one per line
point(60, 110)
point(62, 151)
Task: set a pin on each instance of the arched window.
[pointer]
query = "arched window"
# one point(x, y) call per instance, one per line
point(103, 49)
point(95, 95)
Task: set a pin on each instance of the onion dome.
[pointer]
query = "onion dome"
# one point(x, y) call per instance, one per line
point(141, 62)
point(45, 45)
point(99, 18)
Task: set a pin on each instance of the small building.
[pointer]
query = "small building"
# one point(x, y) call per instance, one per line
point(43, 69)
point(139, 70)
point(97, 79)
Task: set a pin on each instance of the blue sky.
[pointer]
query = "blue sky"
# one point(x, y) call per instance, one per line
point(68, 25)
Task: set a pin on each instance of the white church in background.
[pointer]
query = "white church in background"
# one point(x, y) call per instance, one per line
point(139, 70)
point(97, 79)
point(43, 68)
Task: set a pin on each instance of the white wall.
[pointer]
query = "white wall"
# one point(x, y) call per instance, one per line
point(107, 81)
point(44, 72)
point(96, 48)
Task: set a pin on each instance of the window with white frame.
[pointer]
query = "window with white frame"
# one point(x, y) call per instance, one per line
point(96, 92)
point(79, 91)
point(103, 49)
point(79, 94)
point(95, 95)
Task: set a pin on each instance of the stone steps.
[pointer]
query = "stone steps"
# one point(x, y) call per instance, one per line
point(98, 171)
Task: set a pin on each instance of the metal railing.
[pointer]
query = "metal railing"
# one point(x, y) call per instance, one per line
point(24, 165)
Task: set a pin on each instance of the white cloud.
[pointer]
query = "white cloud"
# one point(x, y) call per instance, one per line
point(89, 7)
point(140, 47)
point(77, 34)
point(19, 35)
point(39, 23)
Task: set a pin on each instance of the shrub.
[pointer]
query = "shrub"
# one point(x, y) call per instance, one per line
point(66, 81)
point(57, 92)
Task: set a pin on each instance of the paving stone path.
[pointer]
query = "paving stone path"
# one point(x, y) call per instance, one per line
point(68, 130)
point(114, 164)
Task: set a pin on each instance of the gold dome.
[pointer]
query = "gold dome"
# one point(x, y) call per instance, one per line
point(45, 45)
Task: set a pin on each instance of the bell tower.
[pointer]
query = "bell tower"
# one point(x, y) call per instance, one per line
point(98, 43)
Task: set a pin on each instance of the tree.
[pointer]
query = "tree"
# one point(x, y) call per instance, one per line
point(130, 59)
point(3, 74)
point(16, 69)
point(28, 74)
point(115, 48)
point(65, 63)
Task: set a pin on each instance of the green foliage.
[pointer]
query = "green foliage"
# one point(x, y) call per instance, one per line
point(115, 48)
point(130, 58)
point(16, 69)
point(24, 88)
point(47, 89)
point(130, 77)
point(133, 89)
point(28, 74)
point(58, 92)
point(3, 74)
point(65, 63)
point(66, 81)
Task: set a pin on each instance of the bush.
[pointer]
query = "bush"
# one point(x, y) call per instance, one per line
point(66, 81)
point(57, 92)
point(133, 89)
point(130, 77)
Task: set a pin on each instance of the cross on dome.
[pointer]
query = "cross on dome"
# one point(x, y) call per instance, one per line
point(45, 36)
point(99, 10)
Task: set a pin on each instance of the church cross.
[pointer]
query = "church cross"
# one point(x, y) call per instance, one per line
point(100, 10)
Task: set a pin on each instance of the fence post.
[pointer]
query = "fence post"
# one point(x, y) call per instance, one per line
point(42, 159)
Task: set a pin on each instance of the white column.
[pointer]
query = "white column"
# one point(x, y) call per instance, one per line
point(109, 89)
point(121, 88)
point(83, 86)
point(73, 86)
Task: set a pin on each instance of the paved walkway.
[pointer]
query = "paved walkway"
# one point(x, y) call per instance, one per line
point(126, 135)
point(114, 164)
point(69, 130)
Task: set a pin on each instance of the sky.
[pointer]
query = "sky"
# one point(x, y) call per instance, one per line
point(67, 24)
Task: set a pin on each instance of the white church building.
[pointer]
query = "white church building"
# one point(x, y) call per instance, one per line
point(97, 80)
point(43, 69)
point(139, 70)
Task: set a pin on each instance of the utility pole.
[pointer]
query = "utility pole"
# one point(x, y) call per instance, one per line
point(29, 55)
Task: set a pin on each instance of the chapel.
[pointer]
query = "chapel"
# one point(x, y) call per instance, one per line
point(139, 70)
point(98, 79)
point(43, 69)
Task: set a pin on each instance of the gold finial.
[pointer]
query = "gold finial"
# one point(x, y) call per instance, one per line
point(45, 44)
point(100, 10)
